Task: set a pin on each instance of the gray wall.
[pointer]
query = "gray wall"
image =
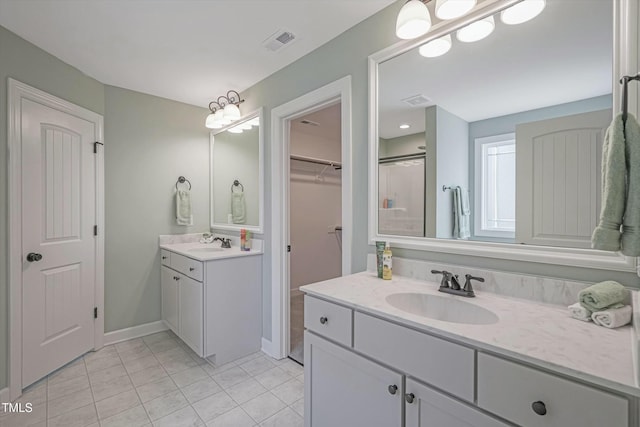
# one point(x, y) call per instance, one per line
point(149, 142)
point(452, 152)
point(401, 145)
point(345, 55)
point(25, 62)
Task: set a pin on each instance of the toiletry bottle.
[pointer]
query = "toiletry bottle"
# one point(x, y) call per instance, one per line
point(247, 241)
point(379, 250)
point(386, 262)
point(243, 238)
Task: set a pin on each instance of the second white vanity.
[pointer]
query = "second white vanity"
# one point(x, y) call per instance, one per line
point(373, 358)
point(212, 298)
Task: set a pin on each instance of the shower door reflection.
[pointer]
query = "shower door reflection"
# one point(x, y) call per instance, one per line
point(401, 195)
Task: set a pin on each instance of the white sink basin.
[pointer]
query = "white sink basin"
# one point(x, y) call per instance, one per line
point(442, 308)
point(205, 250)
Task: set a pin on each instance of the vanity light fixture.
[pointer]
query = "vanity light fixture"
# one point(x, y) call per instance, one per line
point(405, 126)
point(522, 12)
point(436, 47)
point(235, 129)
point(476, 30)
point(414, 20)
point(451, 9)
point(224, 110)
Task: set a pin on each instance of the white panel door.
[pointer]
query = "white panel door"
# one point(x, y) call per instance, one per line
point(558, 179)
point(169, 289)
point(59, 213)
point(426, 407)
point(190, 305)
point(345, 389)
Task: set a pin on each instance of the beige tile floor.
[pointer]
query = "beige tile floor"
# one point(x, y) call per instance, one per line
point(157, 380)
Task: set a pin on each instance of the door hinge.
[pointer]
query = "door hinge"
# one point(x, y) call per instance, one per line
point(95, 312)
point(288, 248)
point(95, 230)
point(95, 146)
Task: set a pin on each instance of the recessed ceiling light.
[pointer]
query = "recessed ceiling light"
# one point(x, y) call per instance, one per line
point(476, 30)
point(436, 47)
point(522, 12)
point(405, 126)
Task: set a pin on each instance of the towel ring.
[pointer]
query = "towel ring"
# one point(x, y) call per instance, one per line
point(182, 180)
point(237, 183)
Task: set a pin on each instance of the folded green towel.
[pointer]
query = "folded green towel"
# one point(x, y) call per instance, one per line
point(602, 295)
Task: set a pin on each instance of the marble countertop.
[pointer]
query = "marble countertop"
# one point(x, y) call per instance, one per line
point(207, 251)
point(540, 334)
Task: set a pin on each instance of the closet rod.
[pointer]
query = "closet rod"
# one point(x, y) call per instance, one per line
point(336, 165)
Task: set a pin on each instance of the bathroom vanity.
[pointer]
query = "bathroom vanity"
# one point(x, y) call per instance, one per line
point(212, 298)
point(376, 355)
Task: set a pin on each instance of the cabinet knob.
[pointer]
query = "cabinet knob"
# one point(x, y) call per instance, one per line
point(409, 397)
point(191, 268)
point(164, 257)
point(393, 389)
point(323, 320)
point(539, 408)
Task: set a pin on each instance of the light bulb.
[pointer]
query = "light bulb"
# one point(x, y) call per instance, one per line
point(210, 122)
point(522, 12)
point(451, 9)
point(476, 30)
point(219, 119)
point(436, 47)
point(235, 129)
point(413, 20)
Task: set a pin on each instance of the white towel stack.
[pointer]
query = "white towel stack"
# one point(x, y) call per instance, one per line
point(579, 312)
point(613, 317)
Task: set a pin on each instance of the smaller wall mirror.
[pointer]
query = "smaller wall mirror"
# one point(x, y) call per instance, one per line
point(237, 181)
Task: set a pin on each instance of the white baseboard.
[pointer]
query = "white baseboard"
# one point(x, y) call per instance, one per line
point(134, 332)
point(267, 347)
point(4, 395)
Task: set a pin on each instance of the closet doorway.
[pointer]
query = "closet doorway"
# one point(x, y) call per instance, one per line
point(315, 210)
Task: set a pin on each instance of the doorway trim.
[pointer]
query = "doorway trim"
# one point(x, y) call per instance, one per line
point(338, 91)
point(18, 91)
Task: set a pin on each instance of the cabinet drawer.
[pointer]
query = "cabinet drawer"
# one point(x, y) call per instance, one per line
point(509, 390)
point(440, 363)
point(165, 257)
point(187, 266)
point(327, 319)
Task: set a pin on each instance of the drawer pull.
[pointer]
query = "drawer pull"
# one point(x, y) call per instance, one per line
point(409, 397)
point(323, 320)
point(191, 268)
point(393, 389)
point(539, 408)
point(164, 257)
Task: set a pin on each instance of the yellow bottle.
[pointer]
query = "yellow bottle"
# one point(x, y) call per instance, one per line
point(386, 263)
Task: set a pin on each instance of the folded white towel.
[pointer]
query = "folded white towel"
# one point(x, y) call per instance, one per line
point(613, 317)
point(183, 208)
point(579, 312)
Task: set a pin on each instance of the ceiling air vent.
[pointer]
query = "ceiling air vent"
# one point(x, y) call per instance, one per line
point(309, 122)
point(278, 40)
point(417, 100)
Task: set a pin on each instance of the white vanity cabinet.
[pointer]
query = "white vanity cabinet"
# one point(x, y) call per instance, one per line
point(214, 306)
point(363, 370)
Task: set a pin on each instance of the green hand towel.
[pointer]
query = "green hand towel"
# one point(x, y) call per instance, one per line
point(602, 295)
point(606, 236)
point(631, 225)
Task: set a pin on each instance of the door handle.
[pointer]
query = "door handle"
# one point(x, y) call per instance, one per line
point(34, 257)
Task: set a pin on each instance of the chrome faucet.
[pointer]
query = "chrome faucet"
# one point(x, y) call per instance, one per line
point(225, 243)
point(451, 285)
